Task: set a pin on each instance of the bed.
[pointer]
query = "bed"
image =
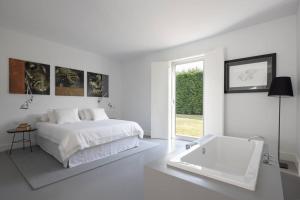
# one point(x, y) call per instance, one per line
point(81, 142)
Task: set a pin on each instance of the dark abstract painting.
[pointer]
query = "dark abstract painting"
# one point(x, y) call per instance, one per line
point(26, 75)
point(97, 85)
point(69, 82)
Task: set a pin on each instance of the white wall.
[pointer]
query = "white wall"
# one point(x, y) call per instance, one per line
point(17, 45)
point(245, 114)
point(213, 92)
point(160, 100)
point(298, 83)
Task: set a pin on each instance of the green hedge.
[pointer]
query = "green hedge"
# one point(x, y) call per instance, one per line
point(189, 92)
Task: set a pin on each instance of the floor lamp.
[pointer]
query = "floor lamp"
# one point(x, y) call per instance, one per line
point(281, 87)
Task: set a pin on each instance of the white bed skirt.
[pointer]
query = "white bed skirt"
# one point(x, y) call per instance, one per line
point(90, 154)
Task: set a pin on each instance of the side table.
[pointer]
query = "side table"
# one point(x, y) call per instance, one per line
point(23, 140)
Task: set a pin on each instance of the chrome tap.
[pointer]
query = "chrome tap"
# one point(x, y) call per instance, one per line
point(188, 146)
point(268, 158)
point(256, 137)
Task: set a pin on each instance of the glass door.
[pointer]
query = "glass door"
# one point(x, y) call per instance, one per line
point(189, 100)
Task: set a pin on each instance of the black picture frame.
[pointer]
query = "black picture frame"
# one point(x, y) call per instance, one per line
point(69, 82)
point(97, 85)
point(27, 74)
point(248, 73)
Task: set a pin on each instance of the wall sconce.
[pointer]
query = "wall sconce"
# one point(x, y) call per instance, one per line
point(29, 97)
point(101, 98)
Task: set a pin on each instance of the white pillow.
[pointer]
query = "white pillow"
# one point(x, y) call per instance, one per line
point(81, 114)
point(51, 116)
point(87, 114)
point(98, 114)
point(66, 115)
point(44, 118)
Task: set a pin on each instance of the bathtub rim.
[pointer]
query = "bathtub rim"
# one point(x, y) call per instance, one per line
point(248, 181)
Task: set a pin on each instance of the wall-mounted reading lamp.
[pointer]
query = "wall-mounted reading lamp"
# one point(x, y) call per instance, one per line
point(29, 97)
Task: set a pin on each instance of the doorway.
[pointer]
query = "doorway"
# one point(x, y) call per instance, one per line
point(187, 95)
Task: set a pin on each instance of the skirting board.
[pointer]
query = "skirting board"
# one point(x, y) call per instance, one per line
point(147, 133)
point(291, 157)
point(6, 147)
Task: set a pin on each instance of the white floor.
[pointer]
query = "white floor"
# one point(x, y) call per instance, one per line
point(121, 180)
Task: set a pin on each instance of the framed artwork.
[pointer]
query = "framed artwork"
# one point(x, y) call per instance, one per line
point(69, 82)
point(24, 75)
point(252, 74)
point(97, 85)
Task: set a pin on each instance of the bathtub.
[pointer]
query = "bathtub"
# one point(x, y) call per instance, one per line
point(228, 159)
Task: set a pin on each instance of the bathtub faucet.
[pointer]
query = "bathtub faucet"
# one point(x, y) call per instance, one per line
point(188, 146)
point(256, 137)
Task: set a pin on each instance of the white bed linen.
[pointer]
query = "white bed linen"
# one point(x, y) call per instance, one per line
point(90, 154)
point(103, 151)
point(81, 135)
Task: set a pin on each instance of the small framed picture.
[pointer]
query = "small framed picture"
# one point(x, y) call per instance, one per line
point(252, 74)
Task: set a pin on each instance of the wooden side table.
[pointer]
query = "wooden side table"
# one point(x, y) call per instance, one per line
point(23, 140)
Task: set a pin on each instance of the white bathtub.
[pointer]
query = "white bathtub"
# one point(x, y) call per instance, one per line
point(228, 159)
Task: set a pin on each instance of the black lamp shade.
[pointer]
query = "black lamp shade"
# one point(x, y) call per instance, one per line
point(281, 86)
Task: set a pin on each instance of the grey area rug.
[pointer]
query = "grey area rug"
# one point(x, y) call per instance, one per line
point(41, 169)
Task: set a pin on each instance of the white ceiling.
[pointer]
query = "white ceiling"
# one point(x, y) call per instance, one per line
point(122, 28)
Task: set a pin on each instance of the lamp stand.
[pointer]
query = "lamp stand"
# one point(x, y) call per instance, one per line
point(281, 164)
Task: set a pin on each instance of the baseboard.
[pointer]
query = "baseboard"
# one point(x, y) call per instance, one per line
point(293, 158)
point(148, 133)
point(6, 147)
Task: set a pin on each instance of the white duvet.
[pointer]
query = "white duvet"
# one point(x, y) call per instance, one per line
point(76, 136)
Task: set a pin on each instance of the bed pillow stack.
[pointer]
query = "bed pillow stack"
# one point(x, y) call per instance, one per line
point(85, 114)
point(51, 116)
point(44, 118)
point(63, 116)
point(98, 114)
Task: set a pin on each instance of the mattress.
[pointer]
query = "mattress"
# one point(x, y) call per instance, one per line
point(73, 137)
point(89, 154)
